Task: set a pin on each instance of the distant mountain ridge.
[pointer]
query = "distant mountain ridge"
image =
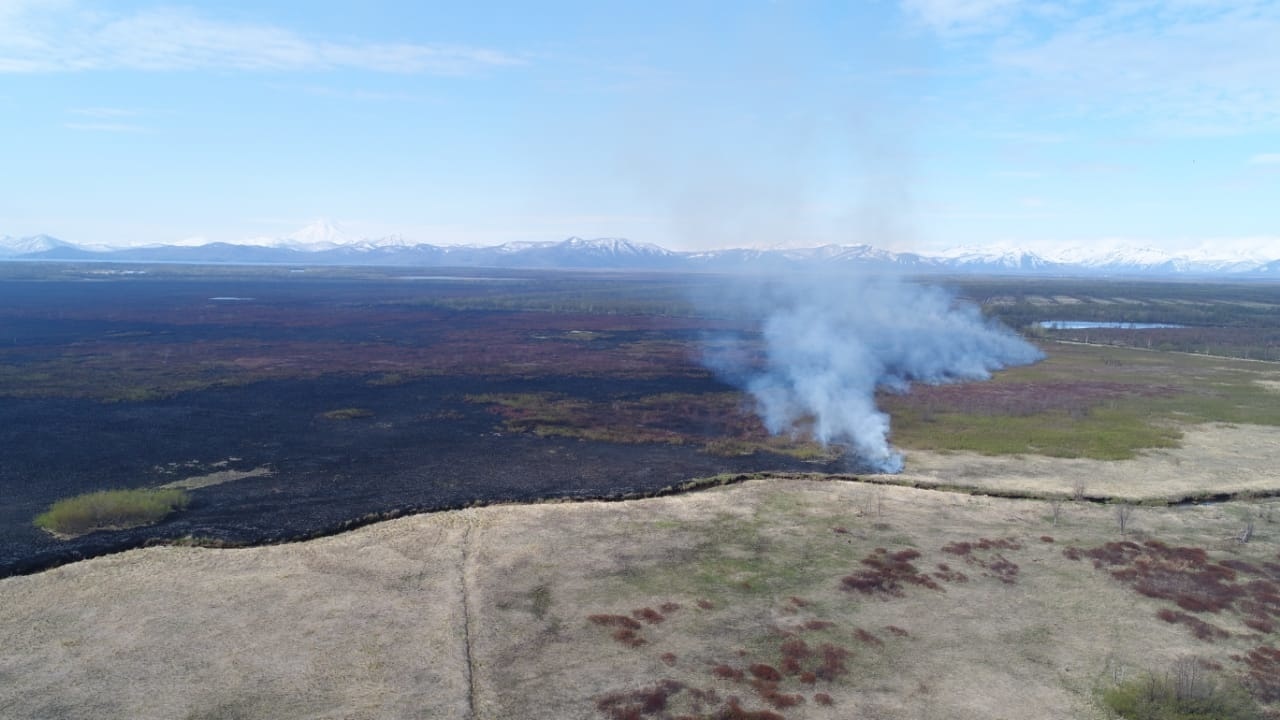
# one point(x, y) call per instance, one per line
point(325, 244)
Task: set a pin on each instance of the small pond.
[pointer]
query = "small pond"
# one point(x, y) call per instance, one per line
point(1088, 325)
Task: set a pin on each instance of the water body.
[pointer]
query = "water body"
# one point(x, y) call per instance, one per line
point(1089, 325)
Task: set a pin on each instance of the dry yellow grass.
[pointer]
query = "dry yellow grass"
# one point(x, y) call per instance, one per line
point(217, 478)
point(1213, 459)
point(484, 613)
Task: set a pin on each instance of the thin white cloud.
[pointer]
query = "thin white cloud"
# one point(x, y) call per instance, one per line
point(61, 38)
point(1265, 159)
point(1172, 68)
point(953, 16)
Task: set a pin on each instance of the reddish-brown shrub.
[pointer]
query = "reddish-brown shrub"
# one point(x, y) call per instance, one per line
point(705, 604)
point(791, 666)
point(798, 601)
point(1046, 538)
point(1260, 623)
point(638, 703)
point(669, 607)
point(840, 530)
point(897, 631)
point(628, 637)
point(668, 658)
point(1264, 673)
point(867, 638)
point(618, 621)
point(963, 548)
point(887, 573)
point(833, 666)
point(649, 615)
point(1201, 629)
point(1187, 577)
point(765, 672)
point(817, 624)
point(946, 574)
point(769, 693)
point(1002, 569)
point(796, 648)
point(808, 678)
point(823, 699)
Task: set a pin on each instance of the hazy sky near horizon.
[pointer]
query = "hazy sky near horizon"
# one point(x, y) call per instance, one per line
point(907, 124)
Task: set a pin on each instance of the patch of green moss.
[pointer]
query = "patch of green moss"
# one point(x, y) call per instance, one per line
point(110, 510)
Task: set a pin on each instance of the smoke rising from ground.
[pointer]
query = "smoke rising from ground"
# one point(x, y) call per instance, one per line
point(830, 343)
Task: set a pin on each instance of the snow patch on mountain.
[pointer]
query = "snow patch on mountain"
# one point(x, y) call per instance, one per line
point(326, 242)
point(11, 246)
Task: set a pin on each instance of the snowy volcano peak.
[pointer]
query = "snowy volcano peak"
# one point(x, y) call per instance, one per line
point(10, 245)
point(613, 246)
point(323, 234)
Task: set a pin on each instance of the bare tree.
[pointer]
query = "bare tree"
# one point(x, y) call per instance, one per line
point(1246, 534)
point(1124, 512)
point(1055, 507)
point(1189, 680)
point(1078, 486)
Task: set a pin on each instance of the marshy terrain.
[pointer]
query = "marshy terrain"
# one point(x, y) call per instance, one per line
point(1041, 553)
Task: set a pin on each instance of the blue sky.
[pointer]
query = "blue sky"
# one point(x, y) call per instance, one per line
point(910, 124)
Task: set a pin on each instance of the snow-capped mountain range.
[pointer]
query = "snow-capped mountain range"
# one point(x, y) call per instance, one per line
point(324, 243)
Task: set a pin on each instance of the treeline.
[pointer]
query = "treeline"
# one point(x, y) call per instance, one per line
point(1240, 342)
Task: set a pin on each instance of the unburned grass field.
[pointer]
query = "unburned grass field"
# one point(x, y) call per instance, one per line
point(1092, 401)
point(786, 597)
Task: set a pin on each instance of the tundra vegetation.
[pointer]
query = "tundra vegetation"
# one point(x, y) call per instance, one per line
point(997, 578)
point(111, 510)
point(775, 597)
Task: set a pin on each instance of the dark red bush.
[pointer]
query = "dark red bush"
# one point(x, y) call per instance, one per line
point(649, 615)
point(628, 637)
point(833, 666)
point(886, 574)
point(867, 637)
point(636, 704)
point(619, 621)
point(765, 672)
point(1264, 673)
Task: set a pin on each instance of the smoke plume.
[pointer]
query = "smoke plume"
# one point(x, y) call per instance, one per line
point(829, 344)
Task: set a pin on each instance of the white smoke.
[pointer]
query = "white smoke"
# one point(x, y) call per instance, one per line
point(830, 343)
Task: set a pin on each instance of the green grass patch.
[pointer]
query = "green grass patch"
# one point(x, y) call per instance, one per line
point(1185, 693)
point(1103, 434)
point(110, 510)
point(1103, 403)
